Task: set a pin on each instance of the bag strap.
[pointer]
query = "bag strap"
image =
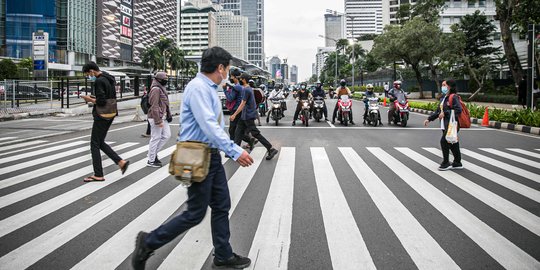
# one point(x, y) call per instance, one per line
point(451, 100)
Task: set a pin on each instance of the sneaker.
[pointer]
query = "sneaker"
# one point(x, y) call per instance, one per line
point(251, 144)
point(445, 166)
point(141, 253)
point(153, 164)
point(236, 262)
point(294, 123)
point(158, 163)
point(271, 154)
point(144, 135)
point(352, 123)
point(457, 166)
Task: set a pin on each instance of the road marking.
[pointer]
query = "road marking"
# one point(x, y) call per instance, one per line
point(7, 138)
point(20, 145)
point(365, 128)
point(494, 177)
point(39, 247)
point(37, 137)
point(507, 167)
point(512, 157)
point(197, 243)
point(525, 152)
point(519, 215)
point(39, 152)
point(27, 216)
point(497, 246)
point(330, 123)
point(345, 242)
point(423, 249)
point(270, 246)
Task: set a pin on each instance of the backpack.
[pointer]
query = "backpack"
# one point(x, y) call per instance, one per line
point(230, 103)
point(464, 117)
point(145, 103)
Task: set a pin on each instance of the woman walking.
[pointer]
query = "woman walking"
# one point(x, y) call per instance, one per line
point(159, 117)
point(449, 102)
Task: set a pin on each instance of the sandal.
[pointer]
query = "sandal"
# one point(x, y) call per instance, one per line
point(125, 167)
point(93, 179)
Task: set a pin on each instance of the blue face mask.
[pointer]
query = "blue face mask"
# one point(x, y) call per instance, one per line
point(444, 90)
point(92, 78)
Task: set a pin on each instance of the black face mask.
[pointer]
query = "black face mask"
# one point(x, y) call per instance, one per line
point(163, 82)
point(342, 84)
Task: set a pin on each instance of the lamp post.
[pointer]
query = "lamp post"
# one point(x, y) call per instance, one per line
point(335, 40)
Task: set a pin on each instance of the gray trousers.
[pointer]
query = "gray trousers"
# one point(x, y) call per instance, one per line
point(159, 137)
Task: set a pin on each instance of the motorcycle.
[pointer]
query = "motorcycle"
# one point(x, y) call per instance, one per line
point(374, 114)
point(344, 110)
point(304, 112)
point(318, 108)
point(276, 112)
point(401, 113)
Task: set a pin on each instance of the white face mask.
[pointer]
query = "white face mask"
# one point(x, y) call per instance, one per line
point(224, 79)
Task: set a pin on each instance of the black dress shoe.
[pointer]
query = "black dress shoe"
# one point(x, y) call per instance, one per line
point(236, 262)
point(271, 154)
point(141, 253)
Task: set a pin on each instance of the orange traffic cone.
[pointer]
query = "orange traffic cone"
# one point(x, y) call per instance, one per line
point(485, 120)
point(384, 102)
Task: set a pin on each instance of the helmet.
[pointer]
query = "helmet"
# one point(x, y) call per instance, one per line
point(398, 82)
point(343, 82)
point(262, 86)
point(369, 86)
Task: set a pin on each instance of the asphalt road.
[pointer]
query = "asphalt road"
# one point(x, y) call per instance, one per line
point(337, 197)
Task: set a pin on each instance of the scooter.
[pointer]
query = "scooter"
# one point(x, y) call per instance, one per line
point(263, 106)
point(373, 114)
point(401, 114)
point(344, 110)
point(318, 108)
point(276, 112)
point(304, 113)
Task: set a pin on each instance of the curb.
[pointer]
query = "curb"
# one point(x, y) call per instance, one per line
point(495, 124)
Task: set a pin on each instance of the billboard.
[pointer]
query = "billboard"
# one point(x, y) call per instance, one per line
point(40, 53)
point(126, 30)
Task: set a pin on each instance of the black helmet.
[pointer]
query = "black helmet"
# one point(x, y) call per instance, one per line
point(343, 82)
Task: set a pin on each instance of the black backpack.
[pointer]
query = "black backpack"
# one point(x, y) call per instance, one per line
point(145, 103)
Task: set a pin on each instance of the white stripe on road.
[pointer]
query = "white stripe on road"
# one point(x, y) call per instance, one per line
point(525, 152)
point(21, 145)
point(330, 123)
point(3, 139)
point(512, 157)
point(31, 252)
point(497, 246)
point(27, 216)
point(494, 177)
point(507, 167)
point(270, 246)
point(345, 242)
point(57, 181)
point(519, 215)
point(39, 152)
point(197, 243)
point(419, 244)
point(36, 137)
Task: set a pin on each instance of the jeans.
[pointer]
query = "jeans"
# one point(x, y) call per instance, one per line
point(97, 143)
point(447, 147)
point(250, 127)
point(159, 137)
point(213, 192)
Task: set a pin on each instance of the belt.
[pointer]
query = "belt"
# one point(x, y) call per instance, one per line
point(214, 151)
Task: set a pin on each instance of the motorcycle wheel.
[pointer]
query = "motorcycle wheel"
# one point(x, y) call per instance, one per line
point(404, 121)
point(306, 118)
point(277, 122)
point(346, 120)
point(373, 120)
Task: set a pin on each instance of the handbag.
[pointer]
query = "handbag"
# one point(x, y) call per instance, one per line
point(451, 133)
point(190, 162)
point(109, 110)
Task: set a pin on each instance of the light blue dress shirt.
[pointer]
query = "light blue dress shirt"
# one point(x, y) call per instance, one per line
point(201, 109)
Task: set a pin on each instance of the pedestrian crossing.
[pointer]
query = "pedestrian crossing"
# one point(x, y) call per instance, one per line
point(41, 191)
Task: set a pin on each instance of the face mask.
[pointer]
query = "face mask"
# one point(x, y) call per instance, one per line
point(225, 78)
point(163, 82)
point(231, 80)
point(342, 84)
point(303, 87)
point(92, 78)
point(444, 90)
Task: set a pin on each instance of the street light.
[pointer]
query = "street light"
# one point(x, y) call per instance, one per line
point(335, 40)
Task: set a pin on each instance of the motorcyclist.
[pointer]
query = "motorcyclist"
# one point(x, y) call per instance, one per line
point(319, 92)
point(369, 94)
point(302, 94)
point(393, 95)
point(341, 91)
point(331, 92)
point(277, 93)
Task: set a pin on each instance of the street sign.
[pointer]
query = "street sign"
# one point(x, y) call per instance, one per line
point(40, 53)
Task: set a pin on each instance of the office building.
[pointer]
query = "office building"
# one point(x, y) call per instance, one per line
point(294, 74)
point(320, 58)
point(334, 28)
point(275, 65)
point(284, 70)
point(233, 33)
point(364, 17)
point(197, 27)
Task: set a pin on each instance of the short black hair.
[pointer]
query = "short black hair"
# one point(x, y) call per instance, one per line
point(452, 86)
point(88, 66)
point(245, 76)
point(236, 72)
point(213, 57)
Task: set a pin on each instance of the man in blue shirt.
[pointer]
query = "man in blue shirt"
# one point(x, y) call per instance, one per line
point(201, 120)
point(248, 111)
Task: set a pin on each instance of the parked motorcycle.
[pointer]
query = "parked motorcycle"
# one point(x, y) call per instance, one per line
point(344, 110)
point(318, 108)
point(374, 114)
point(276, 112)
point(401, 113)
point(304, 113)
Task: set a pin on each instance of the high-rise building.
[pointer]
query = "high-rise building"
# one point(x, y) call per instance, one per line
point(275, 65)
point(233, 33)
point(254, 11)
point(2, 27)
point(320, 58)
point(334, 28)
point(294, 74)
point(114, 32)
point(364, 17)
point(284, 70)
point(197, 27)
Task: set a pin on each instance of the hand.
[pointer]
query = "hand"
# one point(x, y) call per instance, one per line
point(87, 98)
point(233, 117)
point(245, 160)
point(161, 125)
point(426, 122)
point(441, 115)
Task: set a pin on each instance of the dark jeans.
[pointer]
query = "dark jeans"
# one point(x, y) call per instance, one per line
point(148, 129)
point(250, 127)
point(97, 142)
point(447, 147)
point(233, 126)
point(213, 192)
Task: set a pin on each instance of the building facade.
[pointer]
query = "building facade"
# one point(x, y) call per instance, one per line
point(334, 28)
point(284, 71)
point(114, 32)
point(294, 74)
point(320, 58)
point(197, 27)
point(364, 17)
point(233, 33)
point(275, 65)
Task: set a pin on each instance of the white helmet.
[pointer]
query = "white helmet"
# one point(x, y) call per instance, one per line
point(369, 86)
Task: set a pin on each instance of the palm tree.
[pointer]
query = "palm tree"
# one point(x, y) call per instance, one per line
point(152, 58)
point(341, 44)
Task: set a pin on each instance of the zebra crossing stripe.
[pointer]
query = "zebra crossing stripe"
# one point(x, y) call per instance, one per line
point(20, 145)
point(197, 243)
point(512, 157)
point(39, 247)
point(27, 216)
point(525, 152)
point(420, 245)
point(494, 177)
point(270, 246)
point(507, 167)
point(42, 151)
point(345, 242)
point(57, 181)
point(497, 246)
point(519, 215)
point(49, 158)
point(7, 138)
